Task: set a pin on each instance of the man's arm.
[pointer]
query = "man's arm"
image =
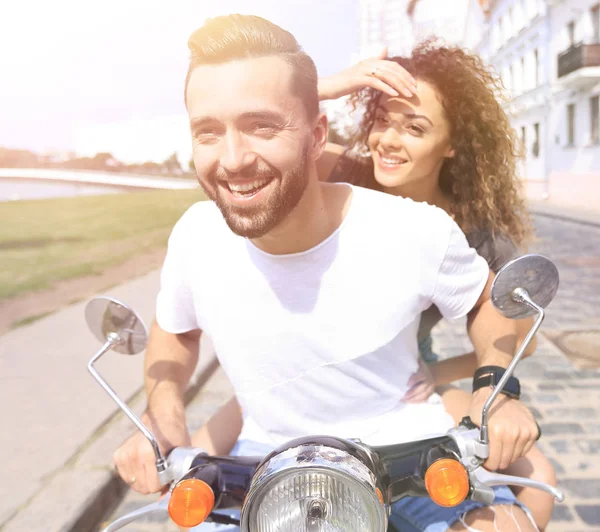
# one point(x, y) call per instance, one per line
point(494, 337)
point(168, 366)
point(464, 366)
point(169, 363)
point(512, 427)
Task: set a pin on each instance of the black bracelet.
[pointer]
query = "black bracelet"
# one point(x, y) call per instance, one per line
point(491, 375)
point(483, 370)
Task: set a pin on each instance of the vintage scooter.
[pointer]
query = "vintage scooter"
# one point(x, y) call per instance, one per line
point(322, 483)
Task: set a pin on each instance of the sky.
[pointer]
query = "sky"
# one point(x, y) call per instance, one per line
point(73, 66)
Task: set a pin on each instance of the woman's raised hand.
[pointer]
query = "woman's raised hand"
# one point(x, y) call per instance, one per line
point(376, 72)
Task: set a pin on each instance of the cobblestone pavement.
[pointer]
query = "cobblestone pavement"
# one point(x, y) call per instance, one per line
point(565, 399)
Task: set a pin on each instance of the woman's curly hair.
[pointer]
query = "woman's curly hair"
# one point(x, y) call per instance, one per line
point(481, 179)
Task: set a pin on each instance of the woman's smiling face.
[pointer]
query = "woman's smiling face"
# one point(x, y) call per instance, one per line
point(409, 140)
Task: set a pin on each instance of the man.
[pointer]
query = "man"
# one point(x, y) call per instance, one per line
point(313, 317)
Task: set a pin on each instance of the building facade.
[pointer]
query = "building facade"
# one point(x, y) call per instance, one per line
point(448, 21)
point(548, 55)
point(384, 23)
point(575, 120)
point(518, 46)
point(400, 24)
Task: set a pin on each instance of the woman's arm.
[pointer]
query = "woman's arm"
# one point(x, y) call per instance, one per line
point(453, 369)
point(219, 434)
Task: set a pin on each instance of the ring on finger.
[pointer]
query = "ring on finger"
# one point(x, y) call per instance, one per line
point(374, 71)
point(131, 480)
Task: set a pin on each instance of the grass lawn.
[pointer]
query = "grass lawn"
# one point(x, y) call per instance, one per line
point(44, 241)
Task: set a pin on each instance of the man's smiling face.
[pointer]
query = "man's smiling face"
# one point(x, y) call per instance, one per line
point(251, 136)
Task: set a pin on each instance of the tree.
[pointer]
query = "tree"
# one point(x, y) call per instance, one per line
point(105, 161)
point(150, 167)
point(338, 135)
point(11, 158)
point(171, 165)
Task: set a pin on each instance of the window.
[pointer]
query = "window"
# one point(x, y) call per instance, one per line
point(542, 7)
point(506, 79)
point(516, 71)
point(595, 14)
point(571, 33)
point(506, 28)
point(524, 138)
point(571, 124)
point(536, 59)
point(517, 18)
point(535, 148)
point(595, 119)
point(496, 37)
point(511, 77)
point(532, 8)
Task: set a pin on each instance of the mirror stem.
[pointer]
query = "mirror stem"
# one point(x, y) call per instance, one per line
point(520, 295)
point(113, 339)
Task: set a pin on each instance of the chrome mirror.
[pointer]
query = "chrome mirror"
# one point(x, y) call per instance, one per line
point(120, 329)
point(523, 287)
point(535, 274)
point(109, 319)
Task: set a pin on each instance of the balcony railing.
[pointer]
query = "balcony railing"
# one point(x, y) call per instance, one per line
point(578, 56)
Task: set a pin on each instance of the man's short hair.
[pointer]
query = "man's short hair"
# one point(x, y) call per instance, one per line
point(232, 37)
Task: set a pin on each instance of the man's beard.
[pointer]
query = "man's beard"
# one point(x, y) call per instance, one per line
point(257, 220)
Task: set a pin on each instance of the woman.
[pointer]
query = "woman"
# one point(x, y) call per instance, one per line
point(437, 135)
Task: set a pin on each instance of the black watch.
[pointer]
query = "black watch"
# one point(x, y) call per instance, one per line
point(491, 375)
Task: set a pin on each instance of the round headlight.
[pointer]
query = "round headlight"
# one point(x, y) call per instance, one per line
point(314, 488)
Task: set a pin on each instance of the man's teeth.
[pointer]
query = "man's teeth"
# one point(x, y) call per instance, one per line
point(238, 187)
point(392, 160)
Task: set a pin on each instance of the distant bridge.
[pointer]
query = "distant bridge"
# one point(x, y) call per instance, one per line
point(104, 179)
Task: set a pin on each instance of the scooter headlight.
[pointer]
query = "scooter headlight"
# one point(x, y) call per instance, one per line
point(314, 488)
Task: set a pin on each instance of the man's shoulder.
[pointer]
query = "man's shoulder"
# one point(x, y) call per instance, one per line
point(201, 222)
point(383, 205)
point(198, 215)
point(204, 209)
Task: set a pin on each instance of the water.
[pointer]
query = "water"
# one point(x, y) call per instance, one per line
point(29, 189)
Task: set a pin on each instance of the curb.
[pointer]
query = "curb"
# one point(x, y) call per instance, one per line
point(566, 216)
point(81, 493)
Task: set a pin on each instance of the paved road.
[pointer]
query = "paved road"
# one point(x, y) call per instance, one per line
point(566, 399)
point(50, 402)
point(59, 428)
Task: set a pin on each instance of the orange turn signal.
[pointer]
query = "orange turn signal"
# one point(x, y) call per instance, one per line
point(191, 502)
point(447, 482)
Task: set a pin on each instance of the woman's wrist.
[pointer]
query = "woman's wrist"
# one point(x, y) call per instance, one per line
point(454, 368)
point(326, 89)
point(440, 377)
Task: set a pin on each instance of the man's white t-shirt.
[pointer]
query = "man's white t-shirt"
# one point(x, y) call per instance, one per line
point(323, 341)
